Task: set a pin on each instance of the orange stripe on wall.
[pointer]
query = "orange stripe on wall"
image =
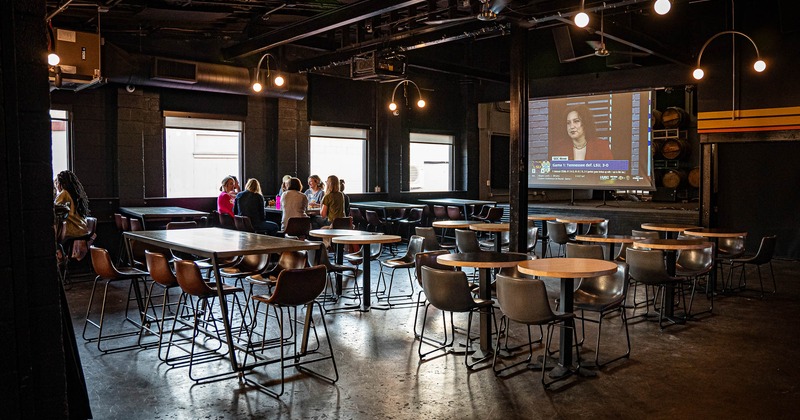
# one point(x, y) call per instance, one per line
point(748, 129)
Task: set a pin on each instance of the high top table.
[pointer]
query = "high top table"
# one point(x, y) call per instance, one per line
point(384, 206)
point(365, 240)
point(714, 234)
point(496, 228)
point(155, 213)
point(485, 261)
point(544, 218)
point(339, 258)
point(610, 240)
point(458, 202)
point(580, 221)
point(568, 269)
point(670, 230)
point(218, 243)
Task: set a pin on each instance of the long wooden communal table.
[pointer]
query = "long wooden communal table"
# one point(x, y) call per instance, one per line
point(460, 202)
point(384, 206)
point(218, 243)
point(161, 213)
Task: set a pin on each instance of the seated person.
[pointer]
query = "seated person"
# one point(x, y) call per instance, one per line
point(315, 191)
point(332, 204)
point(250, 203)
point(284, 185)
point(226, 198)
point(293, 202)
point(72, 200)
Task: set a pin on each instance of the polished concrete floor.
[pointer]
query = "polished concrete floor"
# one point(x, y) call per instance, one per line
point(738, 362)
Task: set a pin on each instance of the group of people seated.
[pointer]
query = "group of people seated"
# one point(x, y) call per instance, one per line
point(325, 196)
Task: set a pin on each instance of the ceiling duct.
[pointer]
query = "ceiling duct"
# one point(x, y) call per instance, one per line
point(140, 70)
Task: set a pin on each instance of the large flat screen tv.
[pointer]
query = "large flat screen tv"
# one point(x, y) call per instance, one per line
point(591, 142)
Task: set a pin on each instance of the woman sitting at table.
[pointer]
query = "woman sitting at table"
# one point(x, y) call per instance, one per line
point(315, 191)
point(284, 185)
point(227, 195)
point(346, 198)
point(293, 202)
point(332, 204)
point(250, 203)
point(72, 199)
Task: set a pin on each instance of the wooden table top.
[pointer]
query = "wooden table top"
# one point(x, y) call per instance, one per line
point(384, 205)
point(716, 233)
point(568, 267)
point(616, 239)
point(579, 219)
point(541, 217)
point(672, 244)
point(332, 233)
point(454, 224)
point(490, 227)
point(168, 211)
point(366, 239)
point(668, 227)
point(272, 209)
point(482, 259)
point(222, 242)
point(457, 201)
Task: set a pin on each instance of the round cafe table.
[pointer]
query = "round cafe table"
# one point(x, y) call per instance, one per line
point(339, 259)
point(568, 269)
point(670, 230)
point(714, 234)
point(610, 240)
point(496, 228)
point(544, 218)
point(454, 224)
point(364, 240)
point(485, 261)
point(580, 221)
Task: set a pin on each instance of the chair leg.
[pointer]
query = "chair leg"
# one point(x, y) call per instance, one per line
point(446, 343)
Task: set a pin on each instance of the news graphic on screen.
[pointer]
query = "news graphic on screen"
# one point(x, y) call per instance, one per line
point(591, 142)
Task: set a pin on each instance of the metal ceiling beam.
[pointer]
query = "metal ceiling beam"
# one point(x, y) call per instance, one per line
point(316, 25)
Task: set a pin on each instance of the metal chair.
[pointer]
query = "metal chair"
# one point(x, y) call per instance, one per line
point(763, 256)
point(484, 211)
point(557, 232)
point(533, 238)
point(294, 288)
point(414, 219)
point(427, 259)
point(296, 228)
point(358, 219)
point(728, 249)
point(162, 275)
point(440, 213)
point(494, 215)
point(108, 273)
point(449, 291)
point(525, 301)
point(467, 241)
point(576, 250)
point(604, 295)
point(342, 223)
point(243, 224)
point(406, 261)
point(320, 257)
point(647, 267)
point(431, 243)
point(374, 223)
point(454, 213)
point(692, 265)
point(598, 228)
point(226, 221)
point(646, 234)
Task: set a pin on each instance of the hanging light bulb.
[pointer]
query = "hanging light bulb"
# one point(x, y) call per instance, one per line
point(257, 87)
point(759, 66)
point(581, 19)
point(53, 59)
point(392, 106)
point(662, 7)
point(421, 103)
point(698, 73)
point(279, 80)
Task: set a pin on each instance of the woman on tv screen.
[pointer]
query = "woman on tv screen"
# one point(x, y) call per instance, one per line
point(582, 142)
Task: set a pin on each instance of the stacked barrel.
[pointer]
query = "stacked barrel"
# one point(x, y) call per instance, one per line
point(677, 176)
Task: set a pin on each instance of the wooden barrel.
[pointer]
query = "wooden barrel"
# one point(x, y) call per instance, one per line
point(658, 124)
point(676, 148)
point(655, 146)
point(673, 178)
point(694, 177)
point(674, 117)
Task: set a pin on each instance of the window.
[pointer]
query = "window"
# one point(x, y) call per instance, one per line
point(59, 135)
point(429, 159)
point(341, 152)
point(199, 153)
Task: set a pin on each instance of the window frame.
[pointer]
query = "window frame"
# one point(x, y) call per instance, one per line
point(69, 132)
point(364, 155)
point(452, 155)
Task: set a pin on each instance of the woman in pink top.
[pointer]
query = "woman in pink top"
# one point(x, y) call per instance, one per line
point(227, 196)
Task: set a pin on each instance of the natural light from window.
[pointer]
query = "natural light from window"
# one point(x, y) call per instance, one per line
point(429, 162)
point(59, 135)
point(339, 151)
point(199, 154)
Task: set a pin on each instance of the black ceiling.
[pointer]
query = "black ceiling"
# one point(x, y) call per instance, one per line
point(319, 35)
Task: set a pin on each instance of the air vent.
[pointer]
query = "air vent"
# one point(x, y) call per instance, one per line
point(175, 71)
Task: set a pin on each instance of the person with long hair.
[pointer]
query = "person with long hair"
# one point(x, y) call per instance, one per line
point(315, 191)
point(293, 202)
point(583, 143)
point(227, 195)
point(71, 196)
point(333, 202)
point(250, 203)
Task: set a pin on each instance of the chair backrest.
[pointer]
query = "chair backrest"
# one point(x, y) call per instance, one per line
point(253, 263)
point(226, 221)
point(136, 225)
point(342, 223)
point(454, 213)
point(415, 215)
point(102, 264)
point(495, 214)
point(298, 286)
point(447, 290)
point(647, 266)
point(610, 287)
point(427, 216)
point(647, 234)
point(731, 247)
point(696, 259)
point(483, 212)
point(585, 251)
point(523, 300)
point(243, 224)
point(765, 250)
point(125, 222)
point(190, 280)
point(428, 259)
point(298, 227)
point(440, 212)
point(557, 232)
point(191, 224)
point(513, 271)
point(118, 221)
point(431, 243)
point(91, 226)
point(373, 219)
point(533, 237)
point(415, 244)
point(467, 241)
point(598, 228)
point(358, 218)
point(291, 260)
point(158, 267)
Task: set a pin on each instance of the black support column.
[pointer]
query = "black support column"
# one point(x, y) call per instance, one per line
point(518, 148)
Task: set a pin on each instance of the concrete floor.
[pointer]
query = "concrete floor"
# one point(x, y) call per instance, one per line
point(736, 363)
